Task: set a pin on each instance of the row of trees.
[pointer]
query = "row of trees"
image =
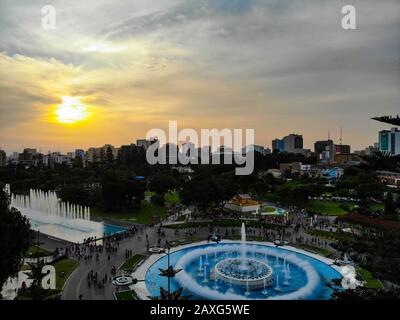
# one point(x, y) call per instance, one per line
point(14, 238)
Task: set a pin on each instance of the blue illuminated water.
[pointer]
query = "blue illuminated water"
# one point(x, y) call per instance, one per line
point(112, 229)
point(296, 275)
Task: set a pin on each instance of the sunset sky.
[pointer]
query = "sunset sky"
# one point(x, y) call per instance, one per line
point(276, 66)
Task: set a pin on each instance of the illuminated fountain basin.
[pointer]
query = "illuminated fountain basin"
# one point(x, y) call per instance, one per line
point(51, 216)
point(294, 275)
point(250, 273)
point(240, 270)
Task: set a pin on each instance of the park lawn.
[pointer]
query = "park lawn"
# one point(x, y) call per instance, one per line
point(329, 208)
point(371, 282)
point(321, 251)
point(35, 251)
point(172, 198)
point(216, 223)
point(268, 196)
point(142, 214)
point(131, 263)
point(334, 236)
point(377, 206)
point(126, 295)
point(149, 193)
point(67, 266)
point(187, 240)
point(269, 209)
point(148, 213)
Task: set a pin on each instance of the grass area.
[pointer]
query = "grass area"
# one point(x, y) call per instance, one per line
point(126, 295)
point(132, 262)
point(269, 209)
point(270, 197)
point(371, 282)
point(149, 193)
point(330, 208)
point(370, 222)
point(181, 242)
point(218, 223)
point(172, 198)
point(145, 213)
point(331, 235)
point(66, 266)
point(320, 251)
point(377, 206)
point(35, 251)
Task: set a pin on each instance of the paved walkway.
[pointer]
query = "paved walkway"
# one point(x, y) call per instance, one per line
point(77, 284)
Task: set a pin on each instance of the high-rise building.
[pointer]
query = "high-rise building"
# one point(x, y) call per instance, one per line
point(52, 158)
point(278, 144)
point(93, 155)
point(293, 143)
point(79, 153)
point(3, 158)
point(370, 150)
point(325, 151)
point(101, 154)
point(389, 141)
point(29, 157)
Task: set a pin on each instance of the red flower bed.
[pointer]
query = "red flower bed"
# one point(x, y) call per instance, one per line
point(372, 222)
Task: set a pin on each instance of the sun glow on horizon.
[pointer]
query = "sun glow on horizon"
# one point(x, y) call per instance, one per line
point(71, 111)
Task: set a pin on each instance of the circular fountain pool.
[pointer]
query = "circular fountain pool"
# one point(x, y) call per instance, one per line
point(251, 273)
point(225, 271)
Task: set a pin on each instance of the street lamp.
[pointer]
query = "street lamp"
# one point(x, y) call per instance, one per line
point(37, 241)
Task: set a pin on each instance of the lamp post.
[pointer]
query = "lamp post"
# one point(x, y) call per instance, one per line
point(37, 242)
point(168, 266)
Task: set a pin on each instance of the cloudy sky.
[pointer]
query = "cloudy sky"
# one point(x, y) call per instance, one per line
point(276, 66)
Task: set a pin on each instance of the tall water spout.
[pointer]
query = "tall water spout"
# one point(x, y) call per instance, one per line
point(47, 204)
point(277, 287)
point(243, 241)
point(51, 216)
point(200, 270)
point(205, 278)
point(265, 291)
point(247, 288)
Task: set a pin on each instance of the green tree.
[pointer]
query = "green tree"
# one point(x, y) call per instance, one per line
point(390, 207)
point(162, 182)
point(14, 238)
point(120, 188)
point(76, 194)
point(109, 156)
point(35, 273)
point(158, 200)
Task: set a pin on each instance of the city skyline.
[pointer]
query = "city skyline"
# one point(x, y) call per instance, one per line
point(336, 141)
point(285, 68)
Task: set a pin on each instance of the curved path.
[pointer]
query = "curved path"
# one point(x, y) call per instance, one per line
point(77, 283)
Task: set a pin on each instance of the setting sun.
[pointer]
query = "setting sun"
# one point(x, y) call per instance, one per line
point(71, 110)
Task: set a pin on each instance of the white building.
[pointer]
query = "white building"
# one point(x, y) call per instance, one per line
point(389, 141)
point(243, 203)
